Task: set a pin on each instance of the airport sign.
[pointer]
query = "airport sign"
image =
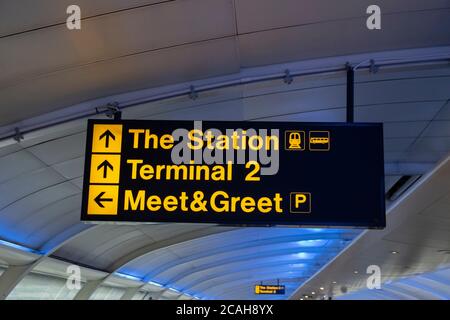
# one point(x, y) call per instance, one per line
point(234, 173)
point(269, 289)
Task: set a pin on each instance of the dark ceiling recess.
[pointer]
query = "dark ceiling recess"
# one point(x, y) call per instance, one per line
point(403, 184)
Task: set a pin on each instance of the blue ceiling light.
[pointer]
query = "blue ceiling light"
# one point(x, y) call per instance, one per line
point(127, 276)
point(315, 230)
point(311, 243)
point(304, 255)
point(130, 277)
point(20, 247)
point(156, 284)
point(298, 265)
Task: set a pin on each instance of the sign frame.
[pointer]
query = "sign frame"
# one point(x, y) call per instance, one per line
point(379, 222)
point(277, 289)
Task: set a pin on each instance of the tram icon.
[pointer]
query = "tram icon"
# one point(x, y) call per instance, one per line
point(294, 140)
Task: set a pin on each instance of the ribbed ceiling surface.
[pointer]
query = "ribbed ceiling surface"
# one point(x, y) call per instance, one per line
point(41, 188)
point(130, 45)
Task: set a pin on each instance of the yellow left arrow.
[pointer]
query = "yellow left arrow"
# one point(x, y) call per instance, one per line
point(103, 200)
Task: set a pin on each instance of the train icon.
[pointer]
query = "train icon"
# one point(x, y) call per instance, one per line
point(294, 140)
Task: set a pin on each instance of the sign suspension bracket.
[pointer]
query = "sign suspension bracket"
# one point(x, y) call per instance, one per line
point(111, 110)
point(350, 93)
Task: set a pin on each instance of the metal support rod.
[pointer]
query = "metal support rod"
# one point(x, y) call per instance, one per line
point(350, 93)
point(215, 87)
point(118, 115)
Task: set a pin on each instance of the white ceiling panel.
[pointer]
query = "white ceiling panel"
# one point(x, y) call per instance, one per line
point(140, 266)
point(439, 209)
point(78, 182)
point(115, 237)
point(54, 213)
point(105, 256)
point(284, 13)
point(179, 64)
point(115, 35)
point(343, 37)
point(416, 156)
point(49, 12)
point(62, 149)
point(232, 110)
point(397, 144)
point(164, 231)
point(13, 216)
point(103, 245)
point(14, 257)
point(171, 295)
point(28, 184)
point(53, 133)
point(18, 163)
point(295, 101)
point(5, 150)
point(70, 169)
point(34, 205)
point(404, 90)
point(438, 129)
point(438, 238)
point(444, 114)
point(436, 144)
point(398, 112)
point(404, 129)
point(59, 268)
point(332, 115)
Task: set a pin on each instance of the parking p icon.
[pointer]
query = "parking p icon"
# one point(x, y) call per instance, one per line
point(300, 202)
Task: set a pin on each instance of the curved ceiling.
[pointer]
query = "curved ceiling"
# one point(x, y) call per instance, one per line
point(40, 190)
point(46, 67)
point(426, 286)
point(131, 45)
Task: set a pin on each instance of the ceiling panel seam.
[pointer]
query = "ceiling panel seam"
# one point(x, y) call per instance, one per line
point(86, 18)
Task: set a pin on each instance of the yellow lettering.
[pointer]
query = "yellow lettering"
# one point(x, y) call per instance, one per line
point(134, 164)
point(264, 205)
point(154, 203)
point(277, 199)
point(223, 203)
point(170, 203)
point(134, 203)
point(248, 204)
point(196, 139)
point(299, 199)
point(136, 133)
point(166, 141)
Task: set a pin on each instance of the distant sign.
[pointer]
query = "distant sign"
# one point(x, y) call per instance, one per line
point(269, 289)
point(235, 173)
